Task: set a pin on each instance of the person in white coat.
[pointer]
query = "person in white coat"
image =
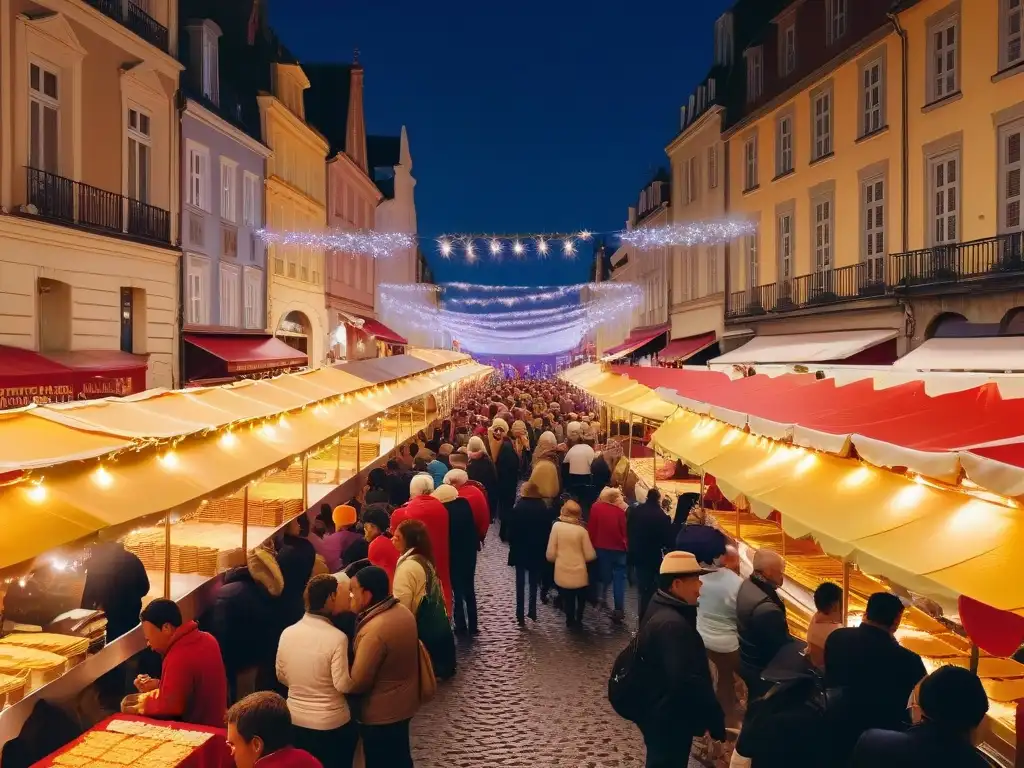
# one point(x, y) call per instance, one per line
point(312, 661)
point(569, 548)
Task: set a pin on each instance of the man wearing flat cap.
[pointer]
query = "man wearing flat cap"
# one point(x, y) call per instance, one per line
point(681, 696)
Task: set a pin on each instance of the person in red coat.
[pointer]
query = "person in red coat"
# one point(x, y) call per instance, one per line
point(381, 552)
point(424, 507)
point(193, 686)
point(260, 732)
point(474, 493)
point(607, 529)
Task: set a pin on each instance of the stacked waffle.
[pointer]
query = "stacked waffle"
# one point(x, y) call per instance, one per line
point(109, 749)
point(70, 647)
point(294, 475)
point(13, 688)
point(42, 667)
point(270, 513)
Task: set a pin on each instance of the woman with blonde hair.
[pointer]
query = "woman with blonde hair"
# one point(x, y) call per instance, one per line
point(570, 549)
point(545, 474)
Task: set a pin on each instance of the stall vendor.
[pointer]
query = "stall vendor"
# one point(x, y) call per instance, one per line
point(193, 684)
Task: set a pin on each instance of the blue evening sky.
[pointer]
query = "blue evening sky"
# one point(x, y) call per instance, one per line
point(535, 115)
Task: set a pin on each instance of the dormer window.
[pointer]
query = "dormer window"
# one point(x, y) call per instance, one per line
point(723, 40)
point(204, 38)
point(755, 74)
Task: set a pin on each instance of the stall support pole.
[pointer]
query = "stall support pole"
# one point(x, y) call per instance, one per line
point(975, 658)
point(359, 465)
point(398, 429)
point(337, 461)
point(167, 556)
point(654, 463)
point(305, 484)
point(630, 446)
point(245, 520)
point(701, 499)
point(847, 568)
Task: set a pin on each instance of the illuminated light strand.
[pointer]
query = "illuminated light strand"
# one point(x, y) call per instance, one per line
point(625, 289)
point(363, 242)
point(694, 233)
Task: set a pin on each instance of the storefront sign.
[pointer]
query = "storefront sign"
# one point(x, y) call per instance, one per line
point(72, 386)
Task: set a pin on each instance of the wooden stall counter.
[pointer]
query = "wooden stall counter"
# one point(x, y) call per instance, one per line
point(124, 740)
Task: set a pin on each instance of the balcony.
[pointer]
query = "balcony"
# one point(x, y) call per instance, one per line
point(990, 262)
point(855, 281)
point(129, 15)
point(71, 202)
point(945, 266)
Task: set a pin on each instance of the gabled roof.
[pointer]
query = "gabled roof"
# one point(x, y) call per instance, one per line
point(327, 101)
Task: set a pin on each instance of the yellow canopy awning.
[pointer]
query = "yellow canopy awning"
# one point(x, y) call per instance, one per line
point(937, 542)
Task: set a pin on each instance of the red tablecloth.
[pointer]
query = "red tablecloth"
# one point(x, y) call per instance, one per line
point(213, 753)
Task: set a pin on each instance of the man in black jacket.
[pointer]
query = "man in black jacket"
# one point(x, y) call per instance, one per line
point(952, 705)
point(683, 704)
point(761, 619)
point(649, 533)
point(870, 676)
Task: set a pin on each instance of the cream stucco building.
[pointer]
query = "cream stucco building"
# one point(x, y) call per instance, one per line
point(89, 185)
point(296, 193)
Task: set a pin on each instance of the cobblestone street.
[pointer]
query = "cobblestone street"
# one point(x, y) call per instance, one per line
point(528, 697)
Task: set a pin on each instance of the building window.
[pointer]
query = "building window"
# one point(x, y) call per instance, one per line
point(873, 199)
point(822, 234)
point(787, 46)
point(750, 164)
point(712, 258)
point(691, 180)
point(822, 117)
point(752, 270)
point(836, 20)
point(44, 118)
point(253, 298)
point(1010, 166)
point(228, 189)
point(784, 148)
point(944, 172)
point(251, 199)
point(140, 150)
point(198, 176)
point(873, 104)
point(944, 59)
point(230, 291)
point(198, 286)
point(755, 73)
point(785, 246)
point(723, 40)
point(1010, 32)
point(713, 167)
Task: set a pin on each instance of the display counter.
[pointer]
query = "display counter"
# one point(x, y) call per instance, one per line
point(124, 740)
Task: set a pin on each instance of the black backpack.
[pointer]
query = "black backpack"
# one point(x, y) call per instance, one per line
point(627, 691)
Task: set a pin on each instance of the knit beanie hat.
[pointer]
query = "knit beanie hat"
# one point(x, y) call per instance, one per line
point(445, 493)
point(499, 423)
point(344, 516)
point(476, 445)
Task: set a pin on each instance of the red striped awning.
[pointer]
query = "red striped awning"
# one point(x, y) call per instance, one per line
point(685, 348)
point(637, 338)
point(380, 331)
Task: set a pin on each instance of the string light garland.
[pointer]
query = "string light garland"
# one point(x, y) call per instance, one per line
point(519, 245)
point(360, 242)
point(696, 233)
point(623, 290)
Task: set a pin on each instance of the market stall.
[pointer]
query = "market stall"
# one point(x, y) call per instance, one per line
point(189, 482)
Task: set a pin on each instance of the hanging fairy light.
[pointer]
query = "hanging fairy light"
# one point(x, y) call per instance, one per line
point(542, 246)
point(361, 242)
point(495, 247)
point(446, 247)
point(568, 248)
point(470, 252)
point(693, 233)
point(518, 248)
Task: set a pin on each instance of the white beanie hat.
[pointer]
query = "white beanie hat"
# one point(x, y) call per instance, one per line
point(421, 485)
point(456, 477)
point(573, 429)
point(476, 445)
point(499, 423)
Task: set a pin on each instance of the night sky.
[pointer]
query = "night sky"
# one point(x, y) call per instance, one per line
point(536, 115)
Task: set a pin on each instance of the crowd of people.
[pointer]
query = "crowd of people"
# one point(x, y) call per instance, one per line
point(339, 630)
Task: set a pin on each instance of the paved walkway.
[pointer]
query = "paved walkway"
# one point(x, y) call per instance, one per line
point(533, 697)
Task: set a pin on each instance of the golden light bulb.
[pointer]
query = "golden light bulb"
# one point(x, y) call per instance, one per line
point(169, 460)
point(37, 493)
point(228, 440)
point(102, 477)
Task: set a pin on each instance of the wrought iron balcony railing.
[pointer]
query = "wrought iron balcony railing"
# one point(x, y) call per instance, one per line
point(976, 260)
point(72, 202)
point(129, 14)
